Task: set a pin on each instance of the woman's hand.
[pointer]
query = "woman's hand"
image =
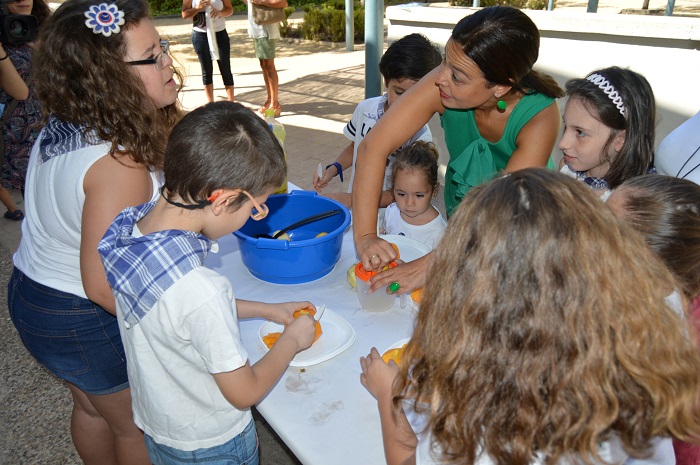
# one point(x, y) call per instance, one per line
point(374, 252)
point(410, 275)
point(378, 376)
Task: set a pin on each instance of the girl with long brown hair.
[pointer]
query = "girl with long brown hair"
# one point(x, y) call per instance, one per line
point(544, 339)
point(109, 95)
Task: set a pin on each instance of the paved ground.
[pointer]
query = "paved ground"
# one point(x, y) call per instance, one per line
point(320, 85)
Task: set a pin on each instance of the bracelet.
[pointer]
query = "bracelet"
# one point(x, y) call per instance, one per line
point(5, 57)
point(339, 167)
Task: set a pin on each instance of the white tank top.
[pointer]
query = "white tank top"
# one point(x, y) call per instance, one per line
point(49, 252)
point(218, 23)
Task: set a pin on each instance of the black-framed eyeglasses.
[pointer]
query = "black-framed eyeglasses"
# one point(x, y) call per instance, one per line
point(158, 60)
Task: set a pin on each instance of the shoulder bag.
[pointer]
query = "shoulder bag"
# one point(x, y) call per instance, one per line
point(263, 14)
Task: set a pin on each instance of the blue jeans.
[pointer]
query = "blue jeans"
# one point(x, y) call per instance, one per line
point(73, 337)
point(241, 450)
point(201, 47)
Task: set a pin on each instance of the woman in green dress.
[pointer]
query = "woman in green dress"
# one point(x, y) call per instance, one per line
point(498, 114)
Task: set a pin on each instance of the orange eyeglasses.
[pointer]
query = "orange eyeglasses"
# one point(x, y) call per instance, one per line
point(258, 212)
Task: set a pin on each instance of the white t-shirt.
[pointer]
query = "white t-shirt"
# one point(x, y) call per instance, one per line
point(365, 116)
point(189, 334)
point(678, 154)
point(429, 234)
point(49, 252)
point(611, 451)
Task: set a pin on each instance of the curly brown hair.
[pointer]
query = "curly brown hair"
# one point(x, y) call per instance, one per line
point(545, 331)
point(82, 78)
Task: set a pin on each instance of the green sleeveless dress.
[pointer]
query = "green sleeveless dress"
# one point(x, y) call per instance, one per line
point(473, 159)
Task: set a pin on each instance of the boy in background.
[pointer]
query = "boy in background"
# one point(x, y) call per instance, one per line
point(403, 64)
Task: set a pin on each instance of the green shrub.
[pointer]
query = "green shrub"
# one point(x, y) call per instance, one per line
point(529, 4)
point(165, 7)
point(327, 22)
point(174, 7)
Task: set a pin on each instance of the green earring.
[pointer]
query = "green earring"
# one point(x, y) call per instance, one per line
point(501, 105)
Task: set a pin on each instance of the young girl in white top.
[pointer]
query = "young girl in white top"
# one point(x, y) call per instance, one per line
point(414, 184)
point(608, 132)
point(532, 347)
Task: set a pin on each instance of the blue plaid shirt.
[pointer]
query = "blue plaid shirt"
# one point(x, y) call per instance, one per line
point(141, 269)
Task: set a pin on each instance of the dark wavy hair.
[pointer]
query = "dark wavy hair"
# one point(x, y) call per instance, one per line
point(222, 145)
point(636, 156)
point(41, 11)
point(411, 57)
point(666, 210)
point(505, 43)
point(420, 156)
point(543, 329)
point(82, 78)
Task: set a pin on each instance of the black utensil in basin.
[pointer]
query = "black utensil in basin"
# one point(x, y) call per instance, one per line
point(305, 221)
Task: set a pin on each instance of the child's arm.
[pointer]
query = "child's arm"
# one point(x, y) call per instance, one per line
point(10, 80)
point(282, 313)
point(400, 442)
point(247, 385)
point(345, 160)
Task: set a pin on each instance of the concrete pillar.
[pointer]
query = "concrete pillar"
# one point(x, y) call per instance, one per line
point(350, 25)
point(374, 46)
point(669, 7)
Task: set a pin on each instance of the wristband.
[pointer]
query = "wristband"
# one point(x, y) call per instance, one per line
point(5, 57)
point(339, 167)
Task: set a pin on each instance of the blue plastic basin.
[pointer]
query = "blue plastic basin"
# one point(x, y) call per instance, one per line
point(305, 257)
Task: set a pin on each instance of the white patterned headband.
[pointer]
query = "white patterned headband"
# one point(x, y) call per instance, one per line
point(609, 90)
point(104, 19)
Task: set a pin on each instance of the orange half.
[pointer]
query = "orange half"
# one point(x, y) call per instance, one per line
point(394, 354)
point(309, 311)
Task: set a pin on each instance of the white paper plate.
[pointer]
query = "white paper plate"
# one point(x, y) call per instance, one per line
point(337, 336)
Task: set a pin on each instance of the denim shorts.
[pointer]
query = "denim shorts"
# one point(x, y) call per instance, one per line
point(241, 450)
point(73, 337)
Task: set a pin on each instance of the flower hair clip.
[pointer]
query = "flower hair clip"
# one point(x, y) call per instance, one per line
point(104, 19)
point(604, 85)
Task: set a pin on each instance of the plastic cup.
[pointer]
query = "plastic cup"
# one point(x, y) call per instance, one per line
point(377, 301)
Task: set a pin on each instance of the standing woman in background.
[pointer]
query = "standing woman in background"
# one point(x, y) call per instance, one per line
point(497, 112)
point(265, 38)
point(18, 126)
point(201, 31)
point(109, 97)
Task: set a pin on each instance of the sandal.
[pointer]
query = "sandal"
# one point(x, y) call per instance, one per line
point(16, 215)
point(262, 109)
point(278, 110)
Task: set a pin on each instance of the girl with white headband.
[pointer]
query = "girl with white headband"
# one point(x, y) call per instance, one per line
point(608, 132)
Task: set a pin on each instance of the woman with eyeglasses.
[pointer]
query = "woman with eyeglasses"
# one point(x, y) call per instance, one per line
point(109, 95)
point(19, 105)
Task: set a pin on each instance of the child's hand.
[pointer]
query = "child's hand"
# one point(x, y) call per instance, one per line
point(320, 183)
point(302, 330)
point(378, 376)
point(283, 312)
